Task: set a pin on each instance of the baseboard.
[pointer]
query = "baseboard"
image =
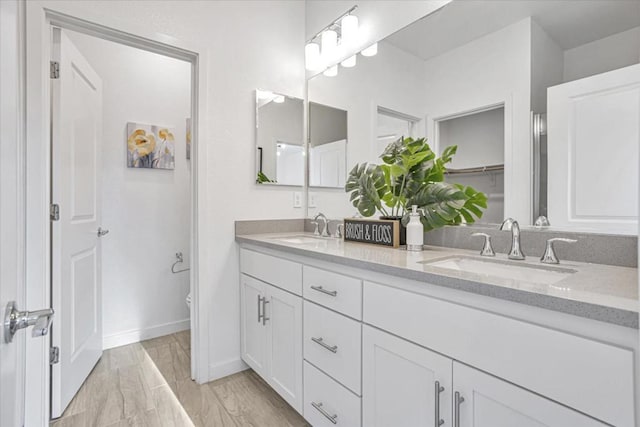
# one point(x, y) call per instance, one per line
point(136, 335)
point(226, 368)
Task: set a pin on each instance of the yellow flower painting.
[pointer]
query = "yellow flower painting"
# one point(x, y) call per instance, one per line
point(150, 146)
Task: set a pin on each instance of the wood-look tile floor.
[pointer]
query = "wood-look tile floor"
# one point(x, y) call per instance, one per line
point(148, 384)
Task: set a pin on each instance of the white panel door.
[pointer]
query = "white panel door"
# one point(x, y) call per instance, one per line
point(254, 336)
point(11, 244)
point(399, 381)
point(76, 287)
point(283, 317)
point(487, 401)
point(593, 149)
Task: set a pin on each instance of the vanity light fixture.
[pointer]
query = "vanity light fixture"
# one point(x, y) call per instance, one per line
point(312, 56)
point(371, 50)
point(331, 71)
point(329, 45)
point(349, 62)
point(349, 29)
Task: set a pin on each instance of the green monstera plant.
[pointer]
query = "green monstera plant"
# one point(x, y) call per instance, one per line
point(412, 174)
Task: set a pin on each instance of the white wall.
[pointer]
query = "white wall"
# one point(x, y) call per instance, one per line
point(547, 65)
point(147, 212)
point(238, 60)
point(610, 53)
point(392, 79)
point(491, 70)
point(377, 18)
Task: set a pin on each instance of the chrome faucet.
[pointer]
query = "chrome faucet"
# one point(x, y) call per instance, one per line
point(512, 225)
point(325, 225)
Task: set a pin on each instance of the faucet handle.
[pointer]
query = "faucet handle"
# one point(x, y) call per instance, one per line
point(316, 232)
point(487, 249)
point(549, 256)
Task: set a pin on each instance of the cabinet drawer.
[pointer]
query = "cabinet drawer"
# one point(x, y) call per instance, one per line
point(590, 376)
point(276, 271)
point(332, 342)
point(333, 290)
point(325, 399)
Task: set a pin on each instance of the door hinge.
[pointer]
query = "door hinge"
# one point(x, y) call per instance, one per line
point(55, 70)
point(54, 212)
point(54, 355)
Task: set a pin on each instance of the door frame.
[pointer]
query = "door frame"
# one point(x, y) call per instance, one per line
point(40, 21)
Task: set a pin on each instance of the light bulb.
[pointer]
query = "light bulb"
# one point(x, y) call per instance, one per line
point(312, 56)
point(371, 50)
point(349, 62)
point(349, 27)
point(329, 44)
point(331, 71)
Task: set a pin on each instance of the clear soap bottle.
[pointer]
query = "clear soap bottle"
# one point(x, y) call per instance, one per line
point(415, 231)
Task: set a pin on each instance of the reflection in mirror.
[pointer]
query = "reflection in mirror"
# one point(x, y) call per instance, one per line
point(327, 146)
point(535, 94)
point(280, 153)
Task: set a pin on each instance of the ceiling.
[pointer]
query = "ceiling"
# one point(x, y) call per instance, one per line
point(570, 23)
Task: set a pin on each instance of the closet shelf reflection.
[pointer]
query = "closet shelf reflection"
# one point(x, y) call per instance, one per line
point(479, 169)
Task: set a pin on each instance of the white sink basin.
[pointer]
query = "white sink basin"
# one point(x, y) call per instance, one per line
point(542, 274)
point(301, 239)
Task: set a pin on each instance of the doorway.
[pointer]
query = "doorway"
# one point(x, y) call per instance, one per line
point(120, 192)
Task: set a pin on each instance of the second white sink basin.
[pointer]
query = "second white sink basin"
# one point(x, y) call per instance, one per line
point(542, 274)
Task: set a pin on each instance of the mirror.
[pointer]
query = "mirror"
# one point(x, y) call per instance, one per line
point(327, 146)
point(537, 95)
point(280, 150)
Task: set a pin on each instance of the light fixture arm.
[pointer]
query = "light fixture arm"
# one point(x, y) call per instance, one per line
point(333, 24)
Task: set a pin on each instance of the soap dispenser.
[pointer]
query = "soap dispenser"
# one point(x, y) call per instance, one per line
point(415, 231)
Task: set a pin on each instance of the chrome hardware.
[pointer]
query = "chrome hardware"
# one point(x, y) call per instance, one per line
point(320, 341)
point(512, 225)
point(549, 256)
point(260, 315)
point(487, 249)
point(264, 311)
point(315, 229)
point(332, 418)
point(54, 355)
point(339, 231)
point(54, 212)
point(324, 291)
point(325, 225)
point(542, 221)
point(180, 260)
point(15, 320)
point(439, 389)
point(457, 400)
point(102, 232)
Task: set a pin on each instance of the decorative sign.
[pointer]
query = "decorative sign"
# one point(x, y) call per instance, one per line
point(375, 231)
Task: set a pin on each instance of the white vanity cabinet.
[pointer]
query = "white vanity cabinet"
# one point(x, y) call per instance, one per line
point(271, 331)
point(345, 350)
point(403, 384)
point(482, 400)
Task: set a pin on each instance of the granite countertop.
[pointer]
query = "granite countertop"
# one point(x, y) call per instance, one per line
point(601, 292)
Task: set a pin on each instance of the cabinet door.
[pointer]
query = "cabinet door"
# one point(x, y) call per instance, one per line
point(492, 402)
point(254, 337)
point(399, 382)
point(283, 313)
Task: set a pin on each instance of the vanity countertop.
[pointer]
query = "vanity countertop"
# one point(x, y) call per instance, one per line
point(601, 292)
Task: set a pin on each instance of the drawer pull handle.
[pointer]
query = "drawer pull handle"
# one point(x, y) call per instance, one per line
point(320, 341)
point(324, 291)
point(332, 418)
point(439, 389)
point(260, 315)
point(457, 400)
